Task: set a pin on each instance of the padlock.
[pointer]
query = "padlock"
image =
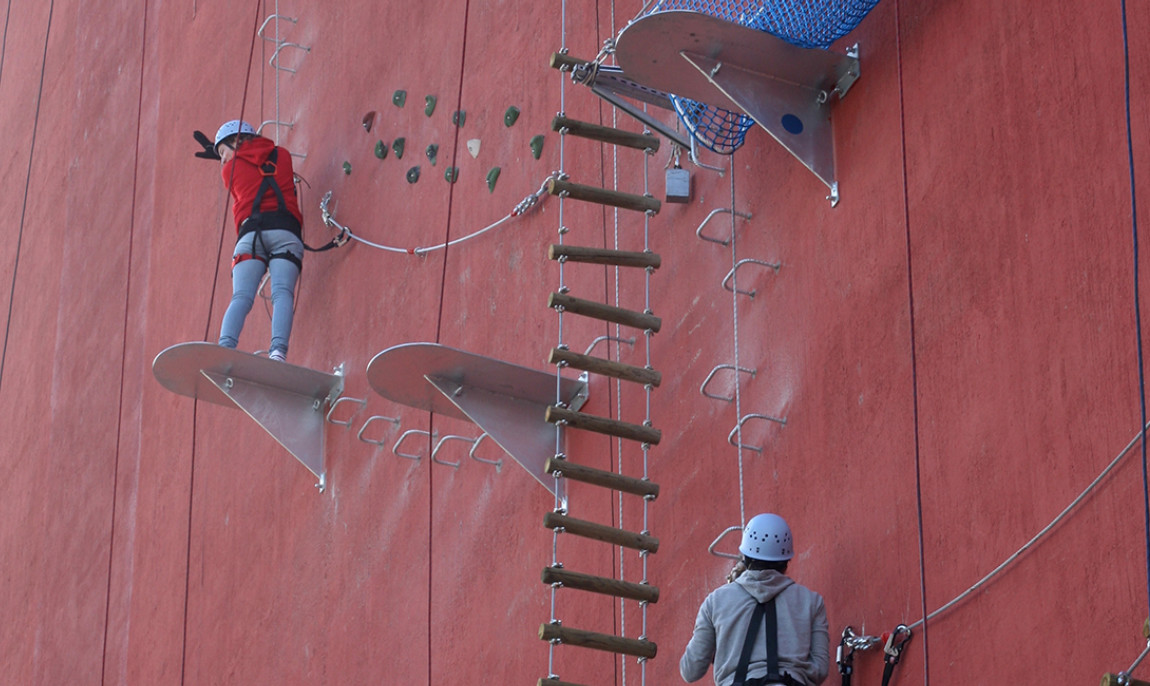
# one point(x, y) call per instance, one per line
point(678, 184)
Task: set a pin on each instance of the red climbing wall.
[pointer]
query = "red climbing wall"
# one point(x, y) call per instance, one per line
point(953, 347)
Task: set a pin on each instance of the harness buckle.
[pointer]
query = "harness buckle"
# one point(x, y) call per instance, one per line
point(268, 168)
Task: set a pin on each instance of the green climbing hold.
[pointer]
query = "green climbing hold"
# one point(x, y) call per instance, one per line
point(432, 152)
point(397, 147)
point(510, 115)
point(413, 175)
point(380, 149)
point(451, 174)
point(347, 167)
point(430, 106)
point(399, 99)
point(537, 146)
point(459, 117)
point(492, 177)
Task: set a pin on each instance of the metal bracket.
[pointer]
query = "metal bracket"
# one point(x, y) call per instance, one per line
point(287, 401)
point(506, 401)
point(786, 89)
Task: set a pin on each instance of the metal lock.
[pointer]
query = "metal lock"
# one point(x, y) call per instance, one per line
point(678, 184)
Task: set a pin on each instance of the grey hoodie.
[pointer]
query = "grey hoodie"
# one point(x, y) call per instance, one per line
point(725, 616)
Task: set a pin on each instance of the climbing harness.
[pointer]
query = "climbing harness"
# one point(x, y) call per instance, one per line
point(768, 612)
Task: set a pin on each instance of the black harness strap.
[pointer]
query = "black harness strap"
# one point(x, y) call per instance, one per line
point(768, 612)
point(279, 218)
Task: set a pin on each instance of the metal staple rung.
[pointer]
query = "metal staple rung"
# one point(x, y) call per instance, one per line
point(711, 548)
point(265, 25)
point(498, 463)
point(405, 434)
point(362, 404)
point(719, 210)
point(443, 440)
point(731, 274)
point(758, 449)
point(703, 388)
point(374, 418)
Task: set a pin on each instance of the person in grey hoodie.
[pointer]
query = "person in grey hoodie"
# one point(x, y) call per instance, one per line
point(725, 616)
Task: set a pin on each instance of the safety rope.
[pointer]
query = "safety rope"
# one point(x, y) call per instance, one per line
point(27, 186)
point(913, 349)
point(1137, 296)
point(735, 335)
point(4, 43)
point(524, 205)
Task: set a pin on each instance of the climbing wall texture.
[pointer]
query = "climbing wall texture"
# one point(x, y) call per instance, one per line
point(953, 347)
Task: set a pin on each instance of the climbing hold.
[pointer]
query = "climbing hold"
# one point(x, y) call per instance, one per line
point(459, 117)
point(399, 99)
point(380, 149)
point(451, 174)
point(347, 167)
point(413, 175)
point(510, 115)
point(397, 147)
point(368, 121)
point(492, 177)
point(473, 147)
point(429, 107)
point(432, 152)
point(537, 146)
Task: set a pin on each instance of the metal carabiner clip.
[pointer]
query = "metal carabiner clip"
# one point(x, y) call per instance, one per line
point(894, 645)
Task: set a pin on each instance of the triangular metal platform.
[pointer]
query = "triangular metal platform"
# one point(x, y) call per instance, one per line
point(787, 90)
point(286, 400)
point(507, 401)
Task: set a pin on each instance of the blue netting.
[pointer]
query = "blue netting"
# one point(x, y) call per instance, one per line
point(805, 23)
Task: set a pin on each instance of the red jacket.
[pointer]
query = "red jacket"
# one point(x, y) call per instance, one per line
point(242, 178)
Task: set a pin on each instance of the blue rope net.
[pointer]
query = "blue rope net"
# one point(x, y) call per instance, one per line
point(805, 23)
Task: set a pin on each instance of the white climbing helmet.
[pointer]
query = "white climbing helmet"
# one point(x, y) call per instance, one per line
point(231, 128)
point(767, 537)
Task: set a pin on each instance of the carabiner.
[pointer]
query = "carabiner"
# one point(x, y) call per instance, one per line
point(894, 645)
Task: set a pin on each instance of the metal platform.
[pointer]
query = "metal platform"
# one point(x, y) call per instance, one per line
point(507, 401)
point(286, 400)
point(787, 90)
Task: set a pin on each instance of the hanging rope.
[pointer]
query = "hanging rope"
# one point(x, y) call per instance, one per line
point(27, 185)
point(913, 351)
point(1137, 296)
point(224, 218)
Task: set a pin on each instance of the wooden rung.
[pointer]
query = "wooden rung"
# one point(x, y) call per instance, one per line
point(597, 641)
point(599, 532)
point(618, 258)
point(609, 313)
point(602, 196)
point(597, 365)
point(606, 134)
point(598, 477)
point(597, 584)
point(566, 62)
point(1112, 680)
point(556, 682)
point(611, 427)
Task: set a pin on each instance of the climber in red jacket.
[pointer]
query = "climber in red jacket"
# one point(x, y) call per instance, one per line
point(269, 228)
